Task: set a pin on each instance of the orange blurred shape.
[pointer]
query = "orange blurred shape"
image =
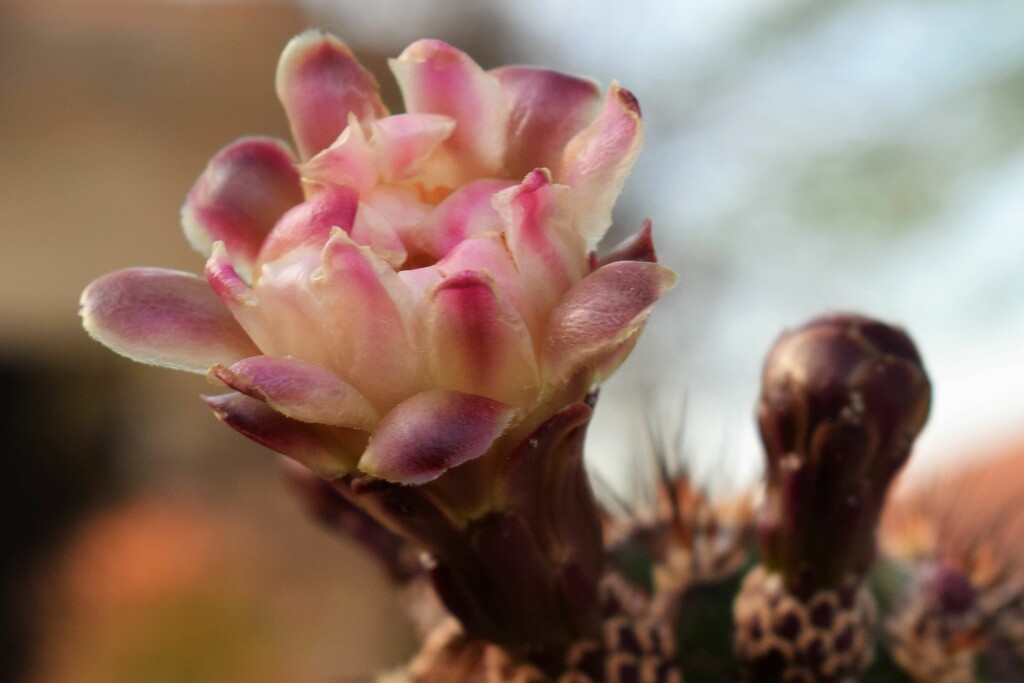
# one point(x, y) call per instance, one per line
point(141, 551)
point(975, 514)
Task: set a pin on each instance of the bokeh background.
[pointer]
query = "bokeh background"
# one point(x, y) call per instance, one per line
point(801, 156)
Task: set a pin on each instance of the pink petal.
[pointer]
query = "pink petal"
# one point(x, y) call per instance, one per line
point(299, 390)
point(432, 432)
point(402, 207)
point(242, 193)
point(319, 82)
point(601, 313)
point(373, 230)
point(310, 223)
point(163, 317)
point(419, 280)
point(436, 78)
point(368, 312)
point(489, 252)
point(467, 211)
point(404, 141)
point(226, 282)
point(476, 341)
point(349, 161)
point(540, 230)
point(329, 452)
point(548, 109)
point(286, 318)
point(636, 247)
point(598, 159)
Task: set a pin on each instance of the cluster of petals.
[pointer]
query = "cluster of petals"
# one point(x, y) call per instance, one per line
point(406, 287)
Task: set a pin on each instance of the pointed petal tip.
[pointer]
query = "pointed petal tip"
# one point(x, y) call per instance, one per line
point(626, 99)
point(598, 159)
point(603, 312)
point(637, 247)
point(299, 390)
point(317, 448)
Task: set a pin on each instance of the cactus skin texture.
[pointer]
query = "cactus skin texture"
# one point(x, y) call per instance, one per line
point(843, 398)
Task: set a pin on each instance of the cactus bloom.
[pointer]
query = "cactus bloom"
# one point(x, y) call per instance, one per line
point(408, 287)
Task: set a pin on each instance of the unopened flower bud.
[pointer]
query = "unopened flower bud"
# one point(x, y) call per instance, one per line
point(843, 398)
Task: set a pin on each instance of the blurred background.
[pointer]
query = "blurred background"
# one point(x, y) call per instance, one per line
point(801, 156)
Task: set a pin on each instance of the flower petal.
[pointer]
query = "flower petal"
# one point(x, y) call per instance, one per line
point(242, 193)
point(539, 227)
point(226, 283)
point(163, 317)
point(432, 432)
point(373, 230)
point(310, 223)
point(548, 109)
point(369, 311)
point(436, 78)
point(476, 342)
point(402, 207)
point(327, 451)
point(302, 391)
point(403, 141)
point(601, 313)
point(467, 211)
point(489, 252)
point(637, 247)
point(350, 160)
point(597, 160)
point(319, 82)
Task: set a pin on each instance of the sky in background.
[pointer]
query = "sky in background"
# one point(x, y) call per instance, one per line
point(800, 157)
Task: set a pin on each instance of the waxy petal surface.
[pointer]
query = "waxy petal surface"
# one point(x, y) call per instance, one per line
point(467, 211)
point(163, 317)
point(363, 300)
point(319, 83)
point(321, 449)
point(309, 225)
point(242, 193)
point(432, 432)
point(476, 341)
point(372, 229)
point(597, 160)
point(489, 253)
point(540, 229)
point(548, 109)
point(349, 161)
point(602, 312)
point(402, 207)
point(436, 78)
point(299, 390)
point(282, 315)
point(404, 141)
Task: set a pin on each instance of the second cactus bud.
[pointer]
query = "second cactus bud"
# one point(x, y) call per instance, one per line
point(843, 398)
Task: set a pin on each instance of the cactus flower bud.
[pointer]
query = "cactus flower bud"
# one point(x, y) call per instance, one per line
point(843, 398)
